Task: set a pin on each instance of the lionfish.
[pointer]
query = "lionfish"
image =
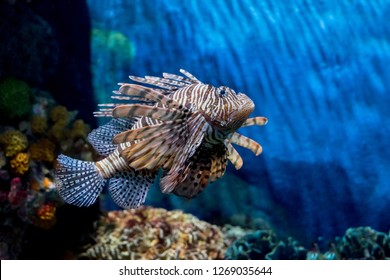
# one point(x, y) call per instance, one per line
point(179, 126)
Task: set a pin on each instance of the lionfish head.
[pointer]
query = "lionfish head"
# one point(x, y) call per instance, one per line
point(229, 110)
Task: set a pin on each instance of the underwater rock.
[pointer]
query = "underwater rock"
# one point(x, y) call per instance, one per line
point(155, 233)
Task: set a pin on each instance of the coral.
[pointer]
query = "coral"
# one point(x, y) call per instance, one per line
point(79, 129)
point(43, 150)
point(20, 163)
point(46, 216)
point(253, 246)
point(59, 114)
point(14, 98)
point(289, 250)
point(3, 160)
point(154, 233)
point(357, 243)
point(364, 243)
point(38, 124)
point(14, 142)
point(17, 195)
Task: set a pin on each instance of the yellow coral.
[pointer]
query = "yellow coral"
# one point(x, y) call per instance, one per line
point(38, 124)
point(46, 216)
point(58, 131)
point(14, 142)
point(46, 212)
point(59, 114)
point(43, 150)
point(20, 163)
point(79, 129)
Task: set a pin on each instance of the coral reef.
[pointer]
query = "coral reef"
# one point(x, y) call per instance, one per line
point(20, 163)
point(14, 98)
point(28, 198)
point(13, 141)
point(43, 150)
point(357, 243)
point(38, 124)
point(155, 233)
point(364, 243)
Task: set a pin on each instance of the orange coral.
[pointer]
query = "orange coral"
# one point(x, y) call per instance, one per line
point(47, 183)
point(20, 163)
point(46, 216)
point(43, 150)
point(38, 124)
point(14, 142)
point(46, 212)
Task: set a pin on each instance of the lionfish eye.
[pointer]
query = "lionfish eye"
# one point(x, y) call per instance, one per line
point(222, 92)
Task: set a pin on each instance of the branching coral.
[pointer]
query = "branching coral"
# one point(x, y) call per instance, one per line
point(20, 163)
point(150, 233)
point(14, 142)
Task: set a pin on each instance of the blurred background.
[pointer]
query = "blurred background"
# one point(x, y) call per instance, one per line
point(318, 70)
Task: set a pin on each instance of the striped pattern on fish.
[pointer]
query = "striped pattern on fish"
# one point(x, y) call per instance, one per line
point(179, 125)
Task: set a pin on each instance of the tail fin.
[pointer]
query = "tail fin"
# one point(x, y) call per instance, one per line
point(78, 182)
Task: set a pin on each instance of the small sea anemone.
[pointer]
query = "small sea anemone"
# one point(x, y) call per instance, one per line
point(38, 124)
point(20, 163)
point(14, 98)
point(43, 150)
point(14, 142)
point(59, 114)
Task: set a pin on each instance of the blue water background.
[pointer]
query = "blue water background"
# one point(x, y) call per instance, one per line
point(319, 70)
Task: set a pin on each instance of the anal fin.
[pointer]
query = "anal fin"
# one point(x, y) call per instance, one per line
point(129, 188)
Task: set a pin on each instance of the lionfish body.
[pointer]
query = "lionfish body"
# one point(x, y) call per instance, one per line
point(180, 126)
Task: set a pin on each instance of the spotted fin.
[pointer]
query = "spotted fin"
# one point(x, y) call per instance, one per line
point(129, 188)
point(101, 138)
point(218, 165)
point(190, 178)
point(78, 182)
